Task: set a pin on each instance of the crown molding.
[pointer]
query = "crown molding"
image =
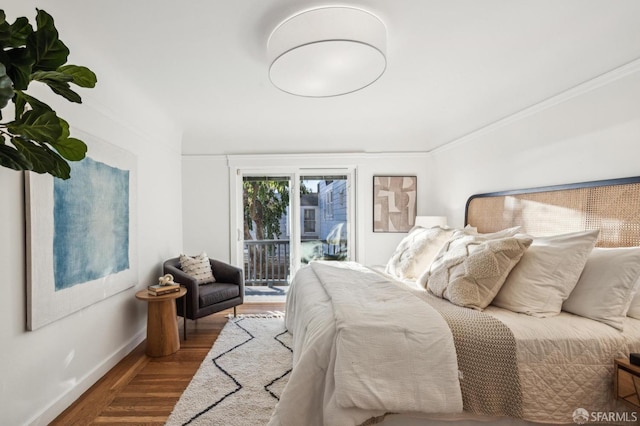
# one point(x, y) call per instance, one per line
point(581, 89)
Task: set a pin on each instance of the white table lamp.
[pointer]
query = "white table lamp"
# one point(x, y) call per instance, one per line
point(431, 221)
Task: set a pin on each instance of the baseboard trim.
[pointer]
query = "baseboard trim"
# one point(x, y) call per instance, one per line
point(54, 409)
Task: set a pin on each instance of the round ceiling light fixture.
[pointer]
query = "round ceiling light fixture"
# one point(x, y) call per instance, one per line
point(328, 51)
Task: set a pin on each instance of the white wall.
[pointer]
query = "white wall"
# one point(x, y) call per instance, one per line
point(590, 133)
point(44, 371)
point(206, 196)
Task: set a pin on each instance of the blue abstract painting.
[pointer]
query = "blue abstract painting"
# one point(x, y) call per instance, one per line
point(91, 223)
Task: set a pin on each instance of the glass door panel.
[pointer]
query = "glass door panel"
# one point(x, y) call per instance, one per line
point(324, 217)
point(266, 242)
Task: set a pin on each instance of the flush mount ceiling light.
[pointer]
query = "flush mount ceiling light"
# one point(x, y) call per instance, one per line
point(328, 51)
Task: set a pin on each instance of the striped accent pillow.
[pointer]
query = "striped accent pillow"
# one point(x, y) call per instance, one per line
point(198, 268)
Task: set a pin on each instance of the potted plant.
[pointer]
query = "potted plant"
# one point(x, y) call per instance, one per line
point(37, 139)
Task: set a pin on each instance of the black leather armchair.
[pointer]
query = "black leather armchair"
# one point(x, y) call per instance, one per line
point(206, 299)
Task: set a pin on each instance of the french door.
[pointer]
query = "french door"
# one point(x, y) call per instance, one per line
point(286, 220)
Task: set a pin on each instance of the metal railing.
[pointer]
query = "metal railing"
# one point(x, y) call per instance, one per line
point(267, 262)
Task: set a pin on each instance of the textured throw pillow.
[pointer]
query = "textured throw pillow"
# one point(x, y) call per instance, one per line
point(470, 269)
point(546, 274)
point(416, 251)
point(198, 268)
point(468, 230)
point(607, 283)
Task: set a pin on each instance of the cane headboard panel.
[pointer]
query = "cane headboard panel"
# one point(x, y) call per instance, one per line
point(613, 206)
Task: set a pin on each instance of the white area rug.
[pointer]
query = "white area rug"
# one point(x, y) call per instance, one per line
point(240, 380)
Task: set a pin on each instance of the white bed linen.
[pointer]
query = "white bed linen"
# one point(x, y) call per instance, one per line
point(358, 355)
point(567, 362)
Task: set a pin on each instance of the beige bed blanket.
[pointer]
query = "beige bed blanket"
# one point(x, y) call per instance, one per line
point(487, 360)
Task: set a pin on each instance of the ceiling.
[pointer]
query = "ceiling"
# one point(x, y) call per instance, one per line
point(453, 66)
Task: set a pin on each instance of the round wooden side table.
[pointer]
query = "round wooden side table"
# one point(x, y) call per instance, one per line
point(162, 323)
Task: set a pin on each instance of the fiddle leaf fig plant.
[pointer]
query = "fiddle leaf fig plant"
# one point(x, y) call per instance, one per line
point(36, 138)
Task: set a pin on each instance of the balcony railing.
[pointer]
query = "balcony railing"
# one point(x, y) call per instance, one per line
point(267, 262)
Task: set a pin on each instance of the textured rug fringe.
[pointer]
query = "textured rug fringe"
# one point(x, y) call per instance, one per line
point(270, 314)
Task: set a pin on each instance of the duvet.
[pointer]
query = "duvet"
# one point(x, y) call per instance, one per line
point(357, 355)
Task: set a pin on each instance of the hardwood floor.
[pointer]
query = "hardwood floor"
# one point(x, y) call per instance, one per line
point(141, 390)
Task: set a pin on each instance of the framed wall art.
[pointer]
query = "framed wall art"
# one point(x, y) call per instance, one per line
point(394, 203)
point(81, 234)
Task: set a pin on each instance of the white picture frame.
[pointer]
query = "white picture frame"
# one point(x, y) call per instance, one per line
point(84, 248)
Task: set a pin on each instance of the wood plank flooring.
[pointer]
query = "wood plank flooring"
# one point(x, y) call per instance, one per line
point(141, 390)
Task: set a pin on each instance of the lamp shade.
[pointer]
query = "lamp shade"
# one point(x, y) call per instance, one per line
point(327, 51)
point(431, 221)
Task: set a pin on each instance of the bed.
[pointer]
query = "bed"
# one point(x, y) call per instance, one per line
point(514, 319)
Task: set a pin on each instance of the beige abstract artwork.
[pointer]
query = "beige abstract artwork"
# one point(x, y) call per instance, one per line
point(394, 203)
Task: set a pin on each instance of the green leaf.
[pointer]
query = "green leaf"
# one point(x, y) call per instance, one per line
point(36, 125)
point(6, 87)
point(43, 159)
point(20, 30)
point(61, 169)
point(13, 159)
point(44, 46)
point(14, 35)
point(64, 90)
point(36, 154)
point(71, 149)
point(22, 99)
point(49, 76)
point(59, 83)
point(82, 76)
point(65, 129)
point(19, 65)
point(5, 30)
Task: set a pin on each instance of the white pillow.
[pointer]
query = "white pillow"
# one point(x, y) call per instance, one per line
point(634, 307)
point(503, 233)
point(198, 268)
point(470, 269)
point(603, 292)
point(416, 251)
point(546, 274)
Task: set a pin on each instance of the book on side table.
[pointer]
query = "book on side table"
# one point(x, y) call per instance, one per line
point(159, 290)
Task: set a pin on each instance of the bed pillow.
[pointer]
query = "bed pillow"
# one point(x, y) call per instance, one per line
point(470, 269)
point(468, 230)
point(503, 233)
point(634, 308)
point(608, 281)
point(416, 251)
point(546, 274)
point(198, 268)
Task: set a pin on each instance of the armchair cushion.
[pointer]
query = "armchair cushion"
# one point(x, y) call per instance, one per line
point(210, 294)
point(198, 268)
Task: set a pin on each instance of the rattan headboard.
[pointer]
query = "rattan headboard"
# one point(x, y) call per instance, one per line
point(613, 206)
